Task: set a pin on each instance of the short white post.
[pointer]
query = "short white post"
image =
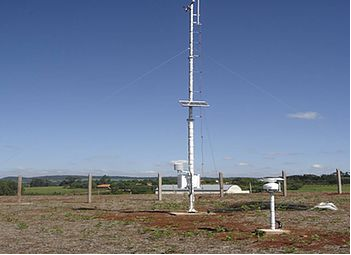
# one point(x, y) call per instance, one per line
point(159, 187)
point(90, 187)
point(272, 211)
point(338, 174)
point(19, 189)
point(250, 187)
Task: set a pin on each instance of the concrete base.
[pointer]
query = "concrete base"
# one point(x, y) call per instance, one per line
point(190, 214)
point(275, 231)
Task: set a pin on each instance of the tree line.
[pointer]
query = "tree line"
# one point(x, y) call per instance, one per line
point(294, 182)
point(149, 185)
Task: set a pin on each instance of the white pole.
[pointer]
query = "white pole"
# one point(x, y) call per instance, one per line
point(272, 211)
point(190, 119)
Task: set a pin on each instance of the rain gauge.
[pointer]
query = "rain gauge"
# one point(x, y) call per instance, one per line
point(272, 186)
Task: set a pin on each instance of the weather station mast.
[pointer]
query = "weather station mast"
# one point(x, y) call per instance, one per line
point(194, 19)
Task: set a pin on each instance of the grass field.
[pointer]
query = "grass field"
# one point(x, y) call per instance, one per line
point(323, 188)
point(53, 190)
point(142, 224)
point(60, 190)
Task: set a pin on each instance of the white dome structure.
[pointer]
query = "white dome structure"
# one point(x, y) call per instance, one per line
point(203, 189)
point(235, 189)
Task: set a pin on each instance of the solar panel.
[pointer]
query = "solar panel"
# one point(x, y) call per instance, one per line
point(187, 103)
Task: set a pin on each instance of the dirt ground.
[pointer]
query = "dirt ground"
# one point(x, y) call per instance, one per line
point(141, 224)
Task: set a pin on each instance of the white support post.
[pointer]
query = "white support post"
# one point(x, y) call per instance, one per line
point(190, 119)
point(272, 211)
point(190, 103)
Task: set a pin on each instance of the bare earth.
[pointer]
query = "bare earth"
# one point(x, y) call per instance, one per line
point(141, 224)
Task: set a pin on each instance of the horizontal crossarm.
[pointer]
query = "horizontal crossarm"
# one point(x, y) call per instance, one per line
point(187, 103)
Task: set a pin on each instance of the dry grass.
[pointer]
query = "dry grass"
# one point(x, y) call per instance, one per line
point(139, 224)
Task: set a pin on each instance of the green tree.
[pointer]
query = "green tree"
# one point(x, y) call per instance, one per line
point(68, 181)
point(38, 182)
point(104, 180)
point(8, 188)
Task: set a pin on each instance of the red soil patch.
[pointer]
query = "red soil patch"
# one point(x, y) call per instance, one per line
point(182, 223)
point(226, 225)
point(336, 194)
point(310, 240)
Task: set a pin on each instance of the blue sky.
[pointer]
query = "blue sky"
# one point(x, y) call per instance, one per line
point(93, 86)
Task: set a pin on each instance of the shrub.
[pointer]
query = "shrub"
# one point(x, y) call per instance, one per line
point(295, 185)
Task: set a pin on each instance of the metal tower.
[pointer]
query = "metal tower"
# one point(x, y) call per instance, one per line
point(190, 103)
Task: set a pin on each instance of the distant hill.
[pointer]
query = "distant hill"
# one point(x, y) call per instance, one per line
point(293, 179)
point(56, 179)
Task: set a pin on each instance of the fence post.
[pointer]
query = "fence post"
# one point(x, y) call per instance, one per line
point(250, 187)
point(285, 185)
point(338, 174)
point(159, 187)
point(19, 189)
point(221, 191)
point(90, 186)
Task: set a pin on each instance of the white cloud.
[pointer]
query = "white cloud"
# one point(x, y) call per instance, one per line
point(274, 155)
point(150, 172)
point(304, 115)
point(228, 158)
point(318, 166)
point(178, 161)
point(243, 164)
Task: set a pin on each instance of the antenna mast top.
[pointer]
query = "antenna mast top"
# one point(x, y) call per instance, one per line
point(198, 13)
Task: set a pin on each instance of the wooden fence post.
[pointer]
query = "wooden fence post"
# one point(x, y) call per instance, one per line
point(159, 187)
point(285, 184)
point(19, 189)
point(338, 175)
point(90, 187)
point(221, 188)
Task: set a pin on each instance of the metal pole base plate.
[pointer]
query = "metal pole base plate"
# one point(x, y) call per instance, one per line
point(190, 213)
point(274, 231)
